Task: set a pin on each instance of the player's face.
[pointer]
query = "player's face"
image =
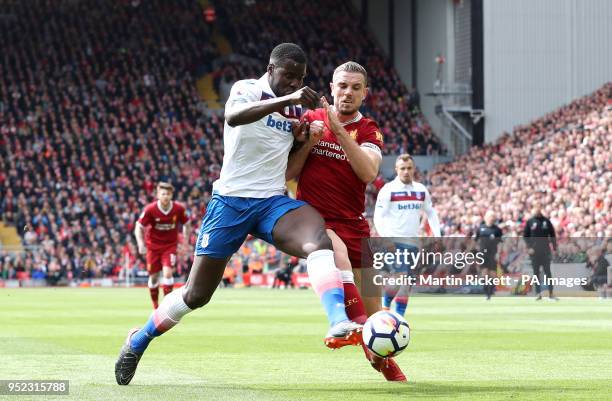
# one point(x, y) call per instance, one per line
point(164, 196)
point(348, 90)
point(405, 171)
point(286, 76)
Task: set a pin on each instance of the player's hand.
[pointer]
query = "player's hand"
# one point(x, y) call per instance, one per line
point(142, 249)
point(316, 132)
point(306, 97)
point(300, 130)
point(332, 119)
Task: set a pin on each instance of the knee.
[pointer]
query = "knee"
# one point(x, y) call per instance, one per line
point(319, 241)
point(195, 298)
point(153, 280)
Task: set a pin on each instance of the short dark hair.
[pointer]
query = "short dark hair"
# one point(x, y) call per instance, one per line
point(351, 66)
point(288, 51)
point(165, 185)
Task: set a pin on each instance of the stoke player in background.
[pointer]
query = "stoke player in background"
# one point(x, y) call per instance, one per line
point(342, 155)
point(399, 207)
point(160, 245)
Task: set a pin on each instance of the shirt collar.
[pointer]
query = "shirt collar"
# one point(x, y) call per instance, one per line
point(265, 85)
point(358, 117)
point(399, 182)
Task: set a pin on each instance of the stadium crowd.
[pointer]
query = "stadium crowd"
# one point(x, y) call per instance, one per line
point(390, 102)
point(98, 102)
point(562, 160)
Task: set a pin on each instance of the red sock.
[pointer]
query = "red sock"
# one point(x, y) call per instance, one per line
point(167, 289)
point(355, 310)
point(154, 292)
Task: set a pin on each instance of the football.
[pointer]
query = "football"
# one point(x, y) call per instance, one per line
point(386, 333)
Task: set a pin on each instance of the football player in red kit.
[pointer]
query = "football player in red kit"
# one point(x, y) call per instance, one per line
point(334, 165)
point(160, 243)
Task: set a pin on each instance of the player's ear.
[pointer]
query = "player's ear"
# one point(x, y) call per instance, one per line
point(366, 92)
point(270, 69)
point(331, 88)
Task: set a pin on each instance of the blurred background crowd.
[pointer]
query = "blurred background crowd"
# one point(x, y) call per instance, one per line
point(100, 100)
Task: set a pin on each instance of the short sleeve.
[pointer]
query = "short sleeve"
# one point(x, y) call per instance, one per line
point(183, 218)
point(145, 217)
point(245, 91)
point(371, 137)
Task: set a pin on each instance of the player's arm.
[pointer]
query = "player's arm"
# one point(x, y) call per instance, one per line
point(432, 216)
point(381, 210)
point(186, 232)
point(241, 110)
point(298, 156)
point(365, 162)
point(143, 221)
point(139, 235)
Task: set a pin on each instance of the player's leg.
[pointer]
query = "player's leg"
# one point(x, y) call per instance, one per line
point(153, 285)
point(154, 267)
point(168, 263)
point(355, 309)
point(387, 366)
point(223, 231)
point(297, 229)
point(301, 232)
point(372, 303)
point(401, 299)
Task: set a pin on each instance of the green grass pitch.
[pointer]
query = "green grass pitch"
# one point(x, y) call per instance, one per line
point(256, 344)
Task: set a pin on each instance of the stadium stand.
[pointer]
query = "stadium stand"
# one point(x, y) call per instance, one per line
point(99, 100)
point(564, 155)
point(390, 103)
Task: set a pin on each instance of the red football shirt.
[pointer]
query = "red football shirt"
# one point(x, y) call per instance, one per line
point(328, 182)
point(164, 226)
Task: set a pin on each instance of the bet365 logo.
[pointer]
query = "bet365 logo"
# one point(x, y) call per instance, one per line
point(279, 125)
point(409, 206)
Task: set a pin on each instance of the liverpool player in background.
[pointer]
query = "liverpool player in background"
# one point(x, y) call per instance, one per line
point(334, 167)
point(163, 216)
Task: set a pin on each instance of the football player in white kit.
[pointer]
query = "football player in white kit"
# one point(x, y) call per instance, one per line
point(397, 214)
point(261, 120)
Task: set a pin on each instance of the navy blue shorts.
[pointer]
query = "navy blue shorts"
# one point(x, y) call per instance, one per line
point(229, 219)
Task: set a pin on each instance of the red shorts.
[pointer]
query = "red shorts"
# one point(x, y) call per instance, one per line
point(159, 258)
point(352, 232)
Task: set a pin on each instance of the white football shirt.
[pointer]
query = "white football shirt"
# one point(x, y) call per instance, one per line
point(398, 210)
point(255, 158)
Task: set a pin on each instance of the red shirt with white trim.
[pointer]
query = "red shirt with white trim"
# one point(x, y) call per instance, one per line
point(164, 225)
point(328, 182)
